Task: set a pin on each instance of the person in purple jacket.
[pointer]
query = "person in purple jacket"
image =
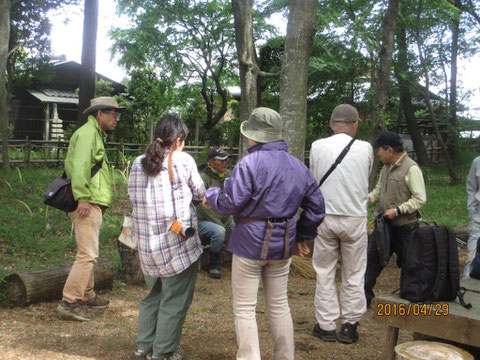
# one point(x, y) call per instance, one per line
point(265, 191)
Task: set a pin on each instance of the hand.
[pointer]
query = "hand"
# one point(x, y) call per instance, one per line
point(83, 208)
point(390, 214)
point(301, 249)
point(205, 203)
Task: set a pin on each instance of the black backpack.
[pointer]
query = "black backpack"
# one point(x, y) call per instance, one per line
point(430, 270)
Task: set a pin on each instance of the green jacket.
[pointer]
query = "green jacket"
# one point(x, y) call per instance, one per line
point(212, 179)
point(84, 151)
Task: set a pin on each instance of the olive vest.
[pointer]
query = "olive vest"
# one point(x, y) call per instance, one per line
point(394, 191)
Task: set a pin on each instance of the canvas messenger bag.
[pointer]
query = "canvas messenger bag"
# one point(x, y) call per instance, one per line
point(59, 193)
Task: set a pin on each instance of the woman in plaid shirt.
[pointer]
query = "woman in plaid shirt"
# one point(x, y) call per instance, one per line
point(169, 260)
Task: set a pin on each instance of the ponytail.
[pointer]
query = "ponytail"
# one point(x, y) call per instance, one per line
point(168, 129)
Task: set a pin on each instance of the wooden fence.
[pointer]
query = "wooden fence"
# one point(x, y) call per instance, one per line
point(25, 152)
point(54, 152)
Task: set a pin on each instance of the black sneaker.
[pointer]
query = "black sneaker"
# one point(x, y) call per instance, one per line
point(75, 311)
point(325, 335)
point(348, 333)
point(215, 273)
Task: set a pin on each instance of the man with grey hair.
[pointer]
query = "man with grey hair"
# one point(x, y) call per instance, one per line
point(344, 229)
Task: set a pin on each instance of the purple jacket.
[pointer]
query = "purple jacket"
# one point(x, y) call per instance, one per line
point(269, 183)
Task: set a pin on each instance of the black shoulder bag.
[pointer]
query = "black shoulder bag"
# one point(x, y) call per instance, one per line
point(337, 162)
point(59, 193)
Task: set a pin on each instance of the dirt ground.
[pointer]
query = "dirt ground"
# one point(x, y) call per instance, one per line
point(37, 332)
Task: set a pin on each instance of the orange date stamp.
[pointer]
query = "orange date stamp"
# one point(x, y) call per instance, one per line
point(436, 309)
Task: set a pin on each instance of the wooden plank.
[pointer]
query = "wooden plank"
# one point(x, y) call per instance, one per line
point(471, 285)
point(390, 343)
point(460, 325)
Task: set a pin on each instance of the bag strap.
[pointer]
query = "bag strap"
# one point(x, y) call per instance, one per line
point(337, 162)
point(454, 269)
point(94, 170)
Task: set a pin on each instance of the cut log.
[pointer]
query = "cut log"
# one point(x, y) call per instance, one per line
point(22, 289)
point(461, 232)
point(131, 268)
point(423, 350)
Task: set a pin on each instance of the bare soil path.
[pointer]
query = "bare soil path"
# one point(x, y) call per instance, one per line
point(37, 332)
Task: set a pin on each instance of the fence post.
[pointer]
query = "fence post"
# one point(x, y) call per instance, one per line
point(121, 154)
point(58, 152)
point(28, 148)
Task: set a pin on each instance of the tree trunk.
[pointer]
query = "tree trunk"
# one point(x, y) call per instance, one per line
point(452, 138)
point(32, 287)
point(422, 349)
point(301, 29)
point(382, 77)
point(426, 93)
point(87, 82)
point(406, 99)
point(4, 111)
point(242, 12)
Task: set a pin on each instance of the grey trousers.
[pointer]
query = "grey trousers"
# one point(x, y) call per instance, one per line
point(163, 311)
point(474, 234)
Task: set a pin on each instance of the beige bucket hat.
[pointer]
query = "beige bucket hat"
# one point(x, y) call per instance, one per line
point(103, 103)
point(264, 125)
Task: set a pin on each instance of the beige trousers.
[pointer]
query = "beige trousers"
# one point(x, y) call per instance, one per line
point(80, 281)
point(345, 236)
point(246, 275)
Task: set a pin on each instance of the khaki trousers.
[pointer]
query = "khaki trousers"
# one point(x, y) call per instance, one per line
point(80, 281)
point(246, 275)
point(345, 236)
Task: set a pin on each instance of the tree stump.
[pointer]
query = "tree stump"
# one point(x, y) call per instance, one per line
point(26, 288)
point(131, 268)
point(423, 350)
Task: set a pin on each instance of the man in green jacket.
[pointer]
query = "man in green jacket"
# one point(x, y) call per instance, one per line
point(94, 196)
point(210, 224)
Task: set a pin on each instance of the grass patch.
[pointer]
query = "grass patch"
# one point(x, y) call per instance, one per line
point(34, 236)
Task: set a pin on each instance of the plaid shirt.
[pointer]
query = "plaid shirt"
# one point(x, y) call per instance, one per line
point(162, 252)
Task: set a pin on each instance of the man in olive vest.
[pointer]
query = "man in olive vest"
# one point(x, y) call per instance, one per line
point(400, 193)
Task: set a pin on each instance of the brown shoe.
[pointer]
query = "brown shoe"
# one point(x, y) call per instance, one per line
point(74, 311)
point(97, 303)
point(140, 354)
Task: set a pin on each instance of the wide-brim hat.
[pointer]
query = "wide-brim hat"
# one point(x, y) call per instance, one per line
point(264, 125)
point(103, 103)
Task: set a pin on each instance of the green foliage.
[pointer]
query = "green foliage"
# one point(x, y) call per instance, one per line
point(29, 40)
point(103, 88)
point(186, 43)
point(147, 98)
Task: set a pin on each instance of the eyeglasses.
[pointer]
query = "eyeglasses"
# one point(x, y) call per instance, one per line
point(115, 113)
